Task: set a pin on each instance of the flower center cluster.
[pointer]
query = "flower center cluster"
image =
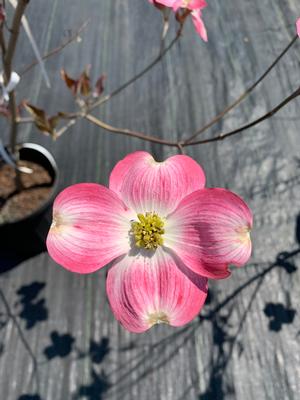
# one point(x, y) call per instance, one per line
point(158, 318)
point(148, 231)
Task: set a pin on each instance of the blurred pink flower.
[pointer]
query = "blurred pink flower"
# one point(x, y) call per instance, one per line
point(165, 233)
point(298, 26)
point(194, 7)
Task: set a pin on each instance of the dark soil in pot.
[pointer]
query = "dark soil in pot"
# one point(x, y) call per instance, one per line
point(36, 190)
point(25, 215)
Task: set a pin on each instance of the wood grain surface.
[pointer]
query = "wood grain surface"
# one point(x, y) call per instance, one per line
point(58, 337)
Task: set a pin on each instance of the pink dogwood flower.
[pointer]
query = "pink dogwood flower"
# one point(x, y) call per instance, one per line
point(194, 7)
point(298, 26)
point(163, 231)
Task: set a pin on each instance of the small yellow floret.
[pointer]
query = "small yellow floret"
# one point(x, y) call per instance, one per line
point(148, 231)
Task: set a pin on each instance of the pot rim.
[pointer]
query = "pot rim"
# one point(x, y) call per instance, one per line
point(42, 150)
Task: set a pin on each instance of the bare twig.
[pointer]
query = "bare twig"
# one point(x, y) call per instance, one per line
point(65, 128)
point(7, 61)
point(2, 40)
point(2, 43)
point(269, 114)
point(166, 25)
point(139, 75)
point(128, 132)
point(180, 146)
point(58, 49)
point(28, 120)
point(243, 96)
point(15, 30)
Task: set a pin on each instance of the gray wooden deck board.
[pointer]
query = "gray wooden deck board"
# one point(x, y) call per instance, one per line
point(246, 344)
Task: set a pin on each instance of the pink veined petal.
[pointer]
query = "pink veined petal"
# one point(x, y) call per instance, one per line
point(210, 230)
point(199, 25)
point(197, 4)
point(90, 228)
point(146, 290)
point(298, 26)
point(176, 4)
point(149, 186)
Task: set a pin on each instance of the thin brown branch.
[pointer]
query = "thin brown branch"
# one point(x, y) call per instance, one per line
point(26, 120)
point(243, 96)
point(128, 132)
point(139, 75)
point(14, 35)
point(269, 114)
point(7, 65)
point(66, 127)
point(2, 42)
point(180, 145)
point(7, 61)
point(180, 148)
point(165, 29)
point(58, 49)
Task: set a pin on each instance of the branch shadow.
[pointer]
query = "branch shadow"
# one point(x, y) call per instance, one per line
point(61, 345)
point(33, 310)
point(279, 315)
point(95, 390)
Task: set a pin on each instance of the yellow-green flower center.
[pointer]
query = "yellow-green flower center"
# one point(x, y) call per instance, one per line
point(158, 318)
point(148, 231)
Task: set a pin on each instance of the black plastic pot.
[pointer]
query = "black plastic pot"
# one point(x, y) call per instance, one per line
point(26, 237)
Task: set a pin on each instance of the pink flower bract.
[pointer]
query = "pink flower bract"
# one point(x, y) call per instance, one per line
point(164, 232)
point(194, 6)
